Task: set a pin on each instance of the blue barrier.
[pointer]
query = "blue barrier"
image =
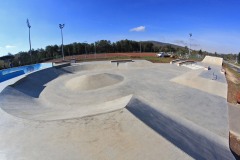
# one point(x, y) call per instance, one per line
point(11, 75)
point(7, 74)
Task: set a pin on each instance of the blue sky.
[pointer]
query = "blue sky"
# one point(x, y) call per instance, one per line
point(215, 24)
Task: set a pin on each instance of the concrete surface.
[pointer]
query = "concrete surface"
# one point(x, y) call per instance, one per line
point(234, 118)
point(193, 66)
point(203, 80)
point(43, 116)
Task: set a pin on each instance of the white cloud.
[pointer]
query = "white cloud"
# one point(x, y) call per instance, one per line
point(138, 29)
point(9, 46)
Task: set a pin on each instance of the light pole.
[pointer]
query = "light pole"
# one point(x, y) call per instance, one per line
point(30, 51)
point(61, 27)
point(190, 35)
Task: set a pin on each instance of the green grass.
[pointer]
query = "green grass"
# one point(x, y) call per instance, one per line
point(148, 58)
point(236, 74)
point(103, 59)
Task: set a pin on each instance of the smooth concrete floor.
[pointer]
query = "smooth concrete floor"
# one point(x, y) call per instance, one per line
point(152, 113)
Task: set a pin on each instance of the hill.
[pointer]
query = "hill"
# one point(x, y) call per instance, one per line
point(161, 44)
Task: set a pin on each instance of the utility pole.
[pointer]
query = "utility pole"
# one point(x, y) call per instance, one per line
point(30, 51)
point(61, 27)
point(190, 35)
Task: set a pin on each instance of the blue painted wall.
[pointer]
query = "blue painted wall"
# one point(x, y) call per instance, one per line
point(7, 74)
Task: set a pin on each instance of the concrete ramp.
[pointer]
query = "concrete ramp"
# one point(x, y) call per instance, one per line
point(213, 60)
point(193, 79)
point(194, 140)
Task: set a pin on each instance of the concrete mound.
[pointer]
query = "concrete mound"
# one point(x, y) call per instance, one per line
point(91, 82)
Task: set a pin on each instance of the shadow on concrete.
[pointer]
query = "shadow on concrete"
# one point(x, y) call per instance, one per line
point(182, 136)
point(33, 84)
point(234, 145)
point(235, 155)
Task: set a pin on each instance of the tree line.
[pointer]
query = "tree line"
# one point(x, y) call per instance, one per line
point(102, 46)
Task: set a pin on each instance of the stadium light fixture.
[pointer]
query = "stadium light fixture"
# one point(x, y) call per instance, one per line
point(190, 35)
point(61, 27)
point(30, 51)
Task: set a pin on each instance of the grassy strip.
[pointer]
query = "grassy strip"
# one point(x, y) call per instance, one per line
point(148, 58)
point(102, 59)
point(236, 74)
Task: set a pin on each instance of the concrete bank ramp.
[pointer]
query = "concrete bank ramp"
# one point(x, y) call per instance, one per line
point(199, 80)
point(33, 84)
point(194, 140)
point(213, 60)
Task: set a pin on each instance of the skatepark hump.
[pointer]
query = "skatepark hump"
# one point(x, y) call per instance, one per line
point(104, 110)
point(90, 82)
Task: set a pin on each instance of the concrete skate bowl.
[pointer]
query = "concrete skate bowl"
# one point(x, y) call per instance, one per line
point(54, 94)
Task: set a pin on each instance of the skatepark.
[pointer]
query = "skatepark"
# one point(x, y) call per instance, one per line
point(125, 110)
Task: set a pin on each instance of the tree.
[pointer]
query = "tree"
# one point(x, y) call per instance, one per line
point(49, 50)
point(103, 46)
point(238, 59)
